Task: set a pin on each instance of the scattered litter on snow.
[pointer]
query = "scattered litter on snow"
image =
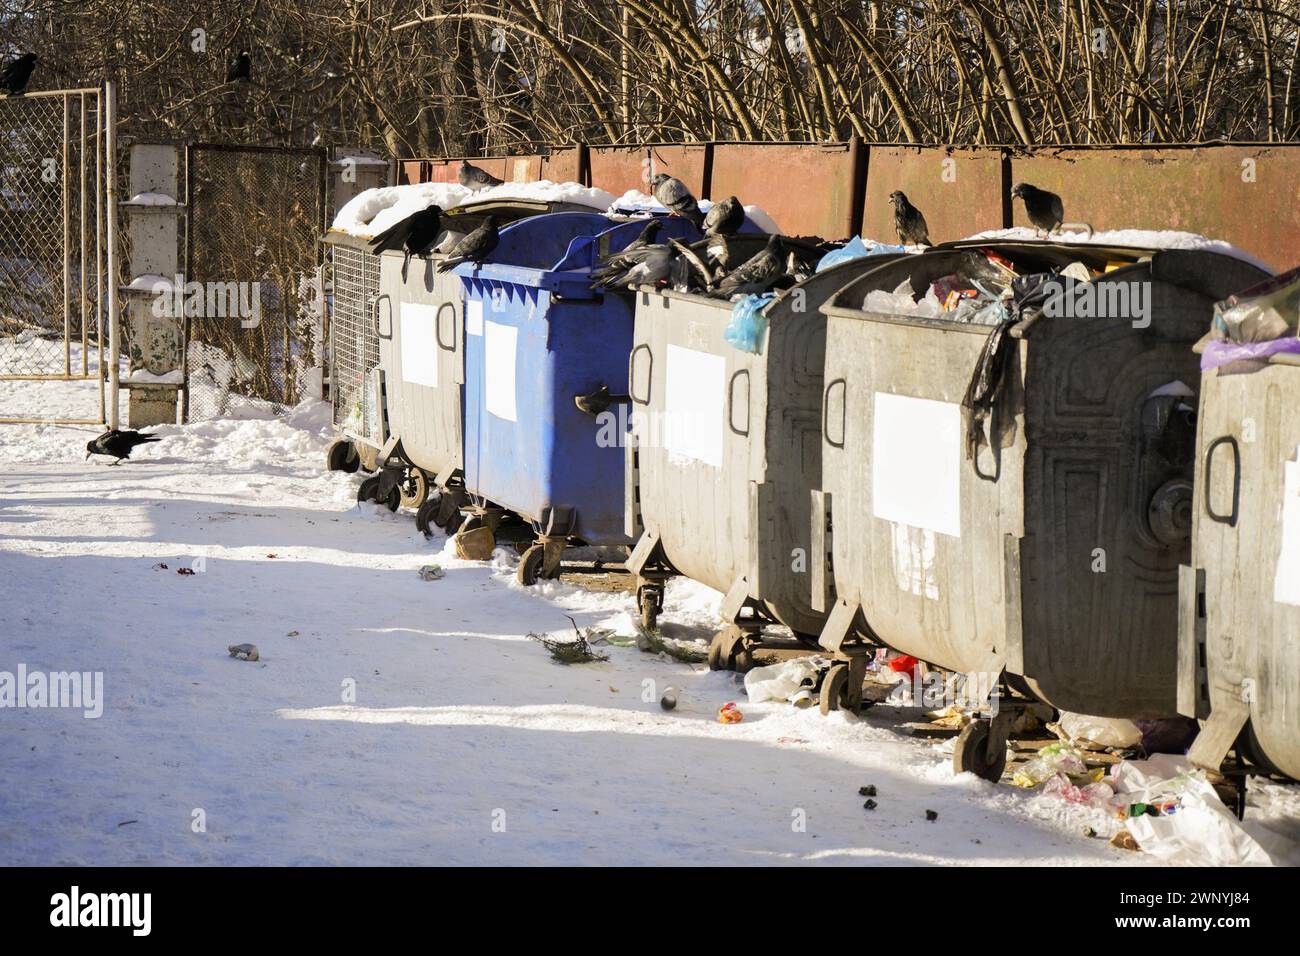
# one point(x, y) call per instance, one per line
point(243, 652)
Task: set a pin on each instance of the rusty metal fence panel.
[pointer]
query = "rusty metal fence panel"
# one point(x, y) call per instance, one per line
point(960, 191)
point(52, 248)
point(255, 217)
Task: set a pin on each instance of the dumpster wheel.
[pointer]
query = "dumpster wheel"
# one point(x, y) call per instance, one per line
point(341, 456)
point(649, 602)
point(369, 491)
point(532, 566)
point(427, 515)
point(971, 752)
point(729, 651)
point(414, 488)
point(834, 684)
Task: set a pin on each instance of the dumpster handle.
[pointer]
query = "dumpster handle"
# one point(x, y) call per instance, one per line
point(374, 314)
point(997, 460)
point(1229, 519)
point(631, 374)
point(437, 327)
point(731, 402)
point(826, 414)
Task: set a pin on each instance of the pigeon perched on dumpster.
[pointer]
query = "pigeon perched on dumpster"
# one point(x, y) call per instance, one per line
point(618, 262)
point(909, 223)
point(475, 247)
point(413, 235)
point(1044, 209)
point(724, 218)
point(240, 69)
point(757, 274)
point(15, 74)
point(472, 177)
point(648, 267)
point(673, 195)
point(117, 443)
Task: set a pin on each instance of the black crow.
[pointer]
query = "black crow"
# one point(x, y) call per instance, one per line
point(908, 222)
point(15, 74)
point(471, 177)
point(413, 235)
point(758, 273)
point(673, 195)
point(1044, 209)
point(474, 247)
point(240, 69)
point(724, 218)
point(117, 443)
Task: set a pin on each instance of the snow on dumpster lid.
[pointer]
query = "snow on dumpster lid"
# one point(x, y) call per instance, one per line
point(634, 201)
point(1140, 238)
point(371, 212)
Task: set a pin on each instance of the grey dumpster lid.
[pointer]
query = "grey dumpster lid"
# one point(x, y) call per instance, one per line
point(506, 210)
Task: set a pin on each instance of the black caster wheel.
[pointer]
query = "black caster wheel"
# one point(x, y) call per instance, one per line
point(650, 601)
point(426, 515)
point(971, 752)
point(414, 488)
point(834, 685)
point(715, 654)
point(530, 569)
point(341, 456)
point(369, 491)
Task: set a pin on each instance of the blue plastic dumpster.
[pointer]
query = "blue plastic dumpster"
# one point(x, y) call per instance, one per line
point(540, 347)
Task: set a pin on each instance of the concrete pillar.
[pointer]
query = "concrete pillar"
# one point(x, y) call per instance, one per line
point(154, 332)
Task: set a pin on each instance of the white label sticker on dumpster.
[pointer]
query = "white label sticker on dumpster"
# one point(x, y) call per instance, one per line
point(474, 316)
point(694, 403)
point(499, 370)
point(1286, 582)
point(916, 463)
point(419, 331)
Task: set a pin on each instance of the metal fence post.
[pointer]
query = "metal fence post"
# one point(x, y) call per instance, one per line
point(110, 160)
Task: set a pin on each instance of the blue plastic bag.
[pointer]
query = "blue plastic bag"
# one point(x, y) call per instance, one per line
point(748, 323)
point(855, 248)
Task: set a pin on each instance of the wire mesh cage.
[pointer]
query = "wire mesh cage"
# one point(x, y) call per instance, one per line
point(253, 331)
point(354, 340)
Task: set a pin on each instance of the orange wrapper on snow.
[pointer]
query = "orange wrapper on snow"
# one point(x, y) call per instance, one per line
point(728, 713)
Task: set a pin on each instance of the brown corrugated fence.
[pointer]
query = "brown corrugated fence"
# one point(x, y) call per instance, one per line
point(1244, 194)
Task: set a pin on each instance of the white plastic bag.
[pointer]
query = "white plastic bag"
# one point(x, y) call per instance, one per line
point(783, 681)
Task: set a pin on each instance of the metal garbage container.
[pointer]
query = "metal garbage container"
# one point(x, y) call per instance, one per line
point(1239, 623)
point(420, 329)
point(1028, 532)
point(546, 359)
point(728, 446)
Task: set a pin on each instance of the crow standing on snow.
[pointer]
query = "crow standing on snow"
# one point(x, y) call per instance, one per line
point(724, 218)
point(15, 74)
point(413, 235)
point(673, 195)
point(240, 69)
point(471, 177)
point(117, 443)
point(909, 223)
point(475, 247)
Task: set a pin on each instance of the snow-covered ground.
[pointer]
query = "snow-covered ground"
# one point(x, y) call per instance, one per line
point(463, 744)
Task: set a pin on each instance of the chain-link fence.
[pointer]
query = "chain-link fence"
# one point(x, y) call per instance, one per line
point(52, 252)
point(252, 251)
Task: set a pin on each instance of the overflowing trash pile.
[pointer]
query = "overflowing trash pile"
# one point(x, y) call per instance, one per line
point(1255, 324)
point(986, 289)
